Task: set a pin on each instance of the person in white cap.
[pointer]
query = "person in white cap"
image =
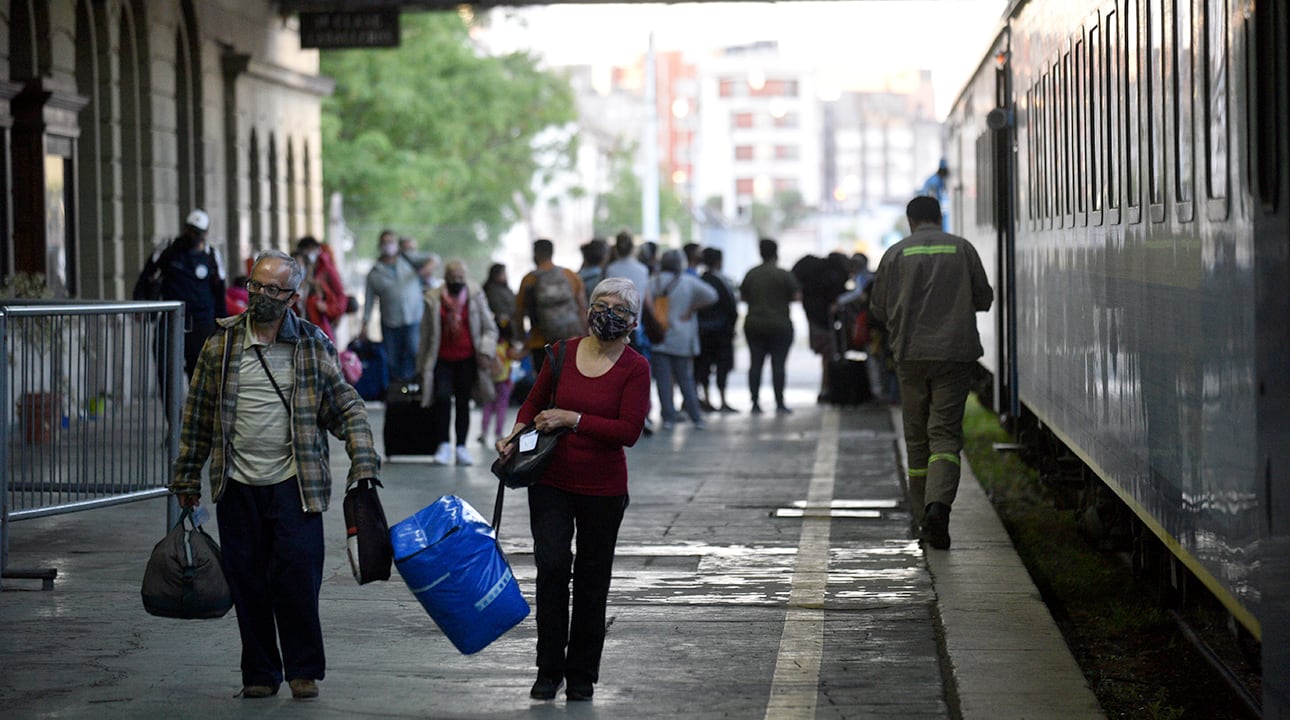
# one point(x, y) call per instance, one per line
point(186, 270)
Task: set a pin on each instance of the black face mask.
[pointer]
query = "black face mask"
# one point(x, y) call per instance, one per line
point(264, 309)
point(607, 326)
point(454, 287)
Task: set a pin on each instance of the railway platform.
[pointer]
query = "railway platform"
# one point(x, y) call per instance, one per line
point(766, 569)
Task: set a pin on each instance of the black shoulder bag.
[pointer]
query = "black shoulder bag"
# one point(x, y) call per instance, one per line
point(525, 466)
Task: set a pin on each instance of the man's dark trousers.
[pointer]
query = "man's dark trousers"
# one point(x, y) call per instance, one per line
point(273, 560)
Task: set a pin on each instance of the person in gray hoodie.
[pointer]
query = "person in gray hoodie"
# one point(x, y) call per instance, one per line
point(672, 360)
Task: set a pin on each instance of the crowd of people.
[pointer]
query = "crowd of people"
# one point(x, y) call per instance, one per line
point(267, 389)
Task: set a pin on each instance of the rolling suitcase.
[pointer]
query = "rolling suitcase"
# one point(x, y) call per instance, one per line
point(408, 426)
point(848, 375)
point(448, 555)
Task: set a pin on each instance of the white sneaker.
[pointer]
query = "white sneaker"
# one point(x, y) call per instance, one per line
point(443, 455)
point(463, 456)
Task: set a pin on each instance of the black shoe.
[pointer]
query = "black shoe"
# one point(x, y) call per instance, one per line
point(783, 410)
point(545, 688)
point(579, 691)
point(936, 525)
point(756, 409)
point(728, 409)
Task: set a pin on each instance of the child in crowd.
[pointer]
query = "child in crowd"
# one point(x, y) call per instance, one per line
point(500, 405)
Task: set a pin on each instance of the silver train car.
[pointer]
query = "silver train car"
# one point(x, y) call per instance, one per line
point(1122, 168)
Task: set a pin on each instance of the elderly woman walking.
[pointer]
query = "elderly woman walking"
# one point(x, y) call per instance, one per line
point(602, 397)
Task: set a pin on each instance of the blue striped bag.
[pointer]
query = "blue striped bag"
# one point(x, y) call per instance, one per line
point(448, 555)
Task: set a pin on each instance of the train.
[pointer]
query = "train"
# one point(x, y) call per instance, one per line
point(1121, 167)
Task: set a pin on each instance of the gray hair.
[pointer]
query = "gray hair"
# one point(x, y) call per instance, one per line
point(621, 288)
point(296, 273)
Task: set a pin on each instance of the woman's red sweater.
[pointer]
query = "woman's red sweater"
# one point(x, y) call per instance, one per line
point(591, 461)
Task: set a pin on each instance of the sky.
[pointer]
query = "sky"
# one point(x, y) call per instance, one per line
point(859, 40)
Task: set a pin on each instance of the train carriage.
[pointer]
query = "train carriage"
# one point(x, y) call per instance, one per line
point(1129, 180)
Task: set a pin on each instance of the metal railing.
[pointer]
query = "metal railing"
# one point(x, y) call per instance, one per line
point(84, 423)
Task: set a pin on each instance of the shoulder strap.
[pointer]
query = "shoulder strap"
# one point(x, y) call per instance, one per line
point(558, 361)
point(671, 286)
point(557, 365)
point(276, 389)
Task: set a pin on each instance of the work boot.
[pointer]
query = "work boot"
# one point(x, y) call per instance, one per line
point(936, 525)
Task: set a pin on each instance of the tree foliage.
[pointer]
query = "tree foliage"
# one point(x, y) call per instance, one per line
point(787, 209)
point(436, 139)
point(621, 207)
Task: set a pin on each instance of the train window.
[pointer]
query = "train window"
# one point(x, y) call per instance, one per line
point(1111, 136)
point(1079, 133)
point(1029, 200)
point(1096, 92)
point(1065, 162)
point(1132, 112)
point(1052, 172)
point(1155, 72)
point(1266, 150)
point(1216, 129)
point(985, 216)
point(1041, 112)
point(1184, 114)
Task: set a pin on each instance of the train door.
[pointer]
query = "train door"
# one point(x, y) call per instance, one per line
point(1001, 122)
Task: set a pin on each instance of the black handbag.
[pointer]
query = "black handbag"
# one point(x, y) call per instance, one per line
point(367, 533)
point(525, 467)
point(184, 578)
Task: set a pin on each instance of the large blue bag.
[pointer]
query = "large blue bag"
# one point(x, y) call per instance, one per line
point(448, 555)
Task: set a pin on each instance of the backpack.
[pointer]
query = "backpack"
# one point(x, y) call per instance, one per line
point(149, 284)
point(660, 306)
point(555, 309)
point(719, 317)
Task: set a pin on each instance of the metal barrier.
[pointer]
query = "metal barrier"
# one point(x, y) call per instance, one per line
point(83, 424)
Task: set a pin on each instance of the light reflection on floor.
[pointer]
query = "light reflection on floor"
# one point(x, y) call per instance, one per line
point(886, 572)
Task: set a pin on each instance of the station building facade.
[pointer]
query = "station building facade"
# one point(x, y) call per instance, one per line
point(121, 116)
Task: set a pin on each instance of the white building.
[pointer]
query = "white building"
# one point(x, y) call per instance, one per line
point(759, 129)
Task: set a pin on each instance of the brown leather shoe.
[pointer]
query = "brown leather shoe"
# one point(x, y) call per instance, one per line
point(256, 692)
point(303, 688)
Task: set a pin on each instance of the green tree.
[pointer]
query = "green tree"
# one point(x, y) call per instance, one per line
point(437, 140)
point(787, 209)
point(621, 206)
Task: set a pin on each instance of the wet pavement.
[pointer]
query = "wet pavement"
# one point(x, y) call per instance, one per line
point(765, 569)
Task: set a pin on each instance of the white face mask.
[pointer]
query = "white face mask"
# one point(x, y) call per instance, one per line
point(389, 249)
point(313, 255)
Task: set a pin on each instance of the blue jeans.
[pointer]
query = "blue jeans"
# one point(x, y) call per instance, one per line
point(401, 348)
point(681, 368)
point(571, 648)
point(273, 560)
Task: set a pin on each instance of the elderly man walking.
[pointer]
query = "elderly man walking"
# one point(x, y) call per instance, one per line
point(266, 393)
